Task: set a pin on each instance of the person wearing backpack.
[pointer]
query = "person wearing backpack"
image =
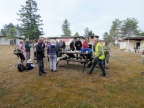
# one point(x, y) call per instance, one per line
point(52, 54)
point(21, 51)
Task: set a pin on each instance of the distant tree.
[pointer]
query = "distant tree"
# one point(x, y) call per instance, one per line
point(115, 31)
point(30, 21)
point(76, 34)
point(88, 32)
point(6, 27)
point(66, 28)
point(11, 34)
point(130, 27)
point(107, 37)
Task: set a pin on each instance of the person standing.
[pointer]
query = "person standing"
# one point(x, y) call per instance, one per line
point(27, 49)
point(52, 54)
point(40, 56)
point(143, 56)
point(59, 46)
point(34, 48)
point(85, 44)
point(107, 55)
point(99, 58)
point(21, 49)
point(72, 46)
point(63, 46)
point(78, 45)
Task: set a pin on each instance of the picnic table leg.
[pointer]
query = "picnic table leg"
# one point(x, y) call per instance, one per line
point(84, 67)
point(67, 62)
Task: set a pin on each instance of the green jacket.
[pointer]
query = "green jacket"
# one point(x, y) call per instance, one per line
point(27, 47)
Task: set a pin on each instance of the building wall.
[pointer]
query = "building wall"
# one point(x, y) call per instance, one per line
point(18, 41)
point(131, 45)
point(141, 45)
point(4, 41)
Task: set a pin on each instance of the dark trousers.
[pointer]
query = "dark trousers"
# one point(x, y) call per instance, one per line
point(41, 66)
point(101, 66)
point(34, 55)
point(21, 57)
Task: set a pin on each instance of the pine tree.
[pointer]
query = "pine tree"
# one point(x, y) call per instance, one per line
point(30, 21)
point(76, 34)
point(66, 28)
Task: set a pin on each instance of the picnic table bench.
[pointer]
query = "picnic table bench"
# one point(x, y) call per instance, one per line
point(83, 59)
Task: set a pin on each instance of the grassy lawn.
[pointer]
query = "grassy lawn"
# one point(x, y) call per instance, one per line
point(69, 87)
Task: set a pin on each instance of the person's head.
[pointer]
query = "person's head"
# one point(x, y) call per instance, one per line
point(21, 42)
point(35, 41)
point(86, 39)
point(96, 40)
point(106, 43)
point(61, 41)
point(27, 40)
point(40, 40)
point(52, 41)
point(78, 39)
point(72, 41)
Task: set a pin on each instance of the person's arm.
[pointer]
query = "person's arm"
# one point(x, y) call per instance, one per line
point(80, 44)
point(47, 50)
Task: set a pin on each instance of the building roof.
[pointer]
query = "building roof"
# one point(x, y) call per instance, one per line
point(134, 38)
point(19, 37)
point(66, 37)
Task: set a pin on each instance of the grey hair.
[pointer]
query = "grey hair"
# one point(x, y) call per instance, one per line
point(52, 41)
point(96, 39)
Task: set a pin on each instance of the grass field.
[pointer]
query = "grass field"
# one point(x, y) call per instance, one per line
point(69, 87)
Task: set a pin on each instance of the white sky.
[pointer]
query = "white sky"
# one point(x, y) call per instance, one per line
point(97, 15)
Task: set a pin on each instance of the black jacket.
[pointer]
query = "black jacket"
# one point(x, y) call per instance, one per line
point(39, 51)
point(72, 46)
point(78, 45)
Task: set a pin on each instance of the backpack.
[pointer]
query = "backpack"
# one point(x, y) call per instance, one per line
point(16, 51)
point(21, 67)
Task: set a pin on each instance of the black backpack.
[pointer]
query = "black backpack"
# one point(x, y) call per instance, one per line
point(21, 67)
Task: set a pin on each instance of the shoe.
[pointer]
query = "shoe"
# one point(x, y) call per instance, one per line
point(89, 74)
point(42, 75)
point(44, 72)
point(51, 69)
point(102, 75)
point(55, 71)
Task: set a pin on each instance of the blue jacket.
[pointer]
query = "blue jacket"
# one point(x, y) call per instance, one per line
point(52, 49)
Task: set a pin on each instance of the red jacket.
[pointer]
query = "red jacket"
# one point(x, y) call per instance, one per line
point(84, 45)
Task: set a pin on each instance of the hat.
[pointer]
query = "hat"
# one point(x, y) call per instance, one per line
point(29, 61)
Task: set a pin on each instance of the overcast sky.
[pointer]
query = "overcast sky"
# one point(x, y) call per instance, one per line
point(97, 15)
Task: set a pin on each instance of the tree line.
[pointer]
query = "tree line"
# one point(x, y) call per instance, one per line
point(30, 24)
point(121, 29)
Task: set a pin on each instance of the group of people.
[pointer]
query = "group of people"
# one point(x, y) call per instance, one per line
point(101, 53)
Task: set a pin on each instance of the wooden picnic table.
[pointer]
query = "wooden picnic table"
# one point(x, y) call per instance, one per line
point(83, 58)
